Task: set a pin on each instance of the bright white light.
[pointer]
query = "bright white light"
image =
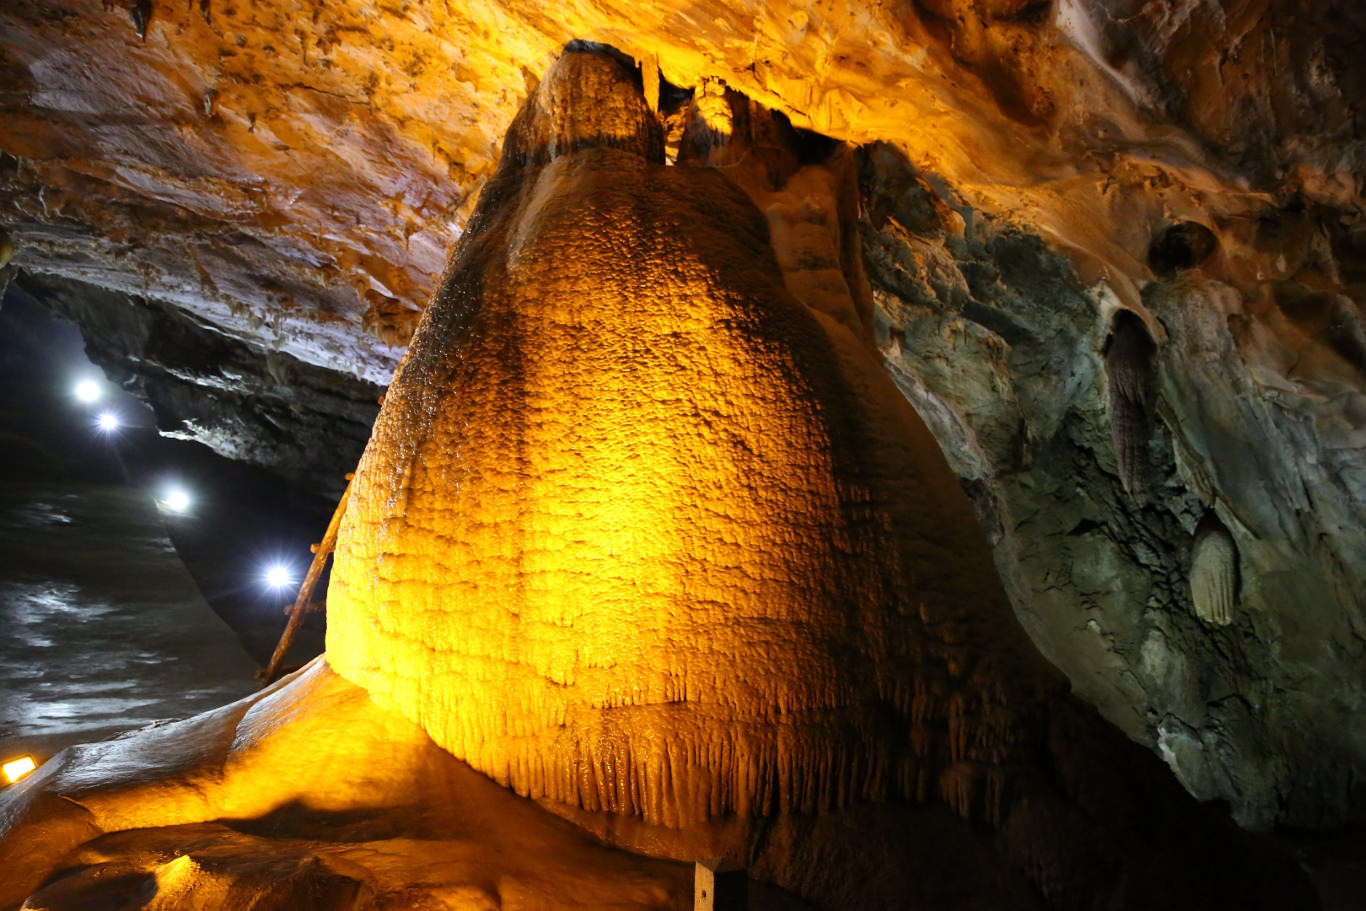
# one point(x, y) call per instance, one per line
point(175, 499)
point(278, 576)
point(108, 421)
point(88, 391)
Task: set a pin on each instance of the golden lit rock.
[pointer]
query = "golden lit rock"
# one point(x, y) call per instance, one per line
point(644, 531)
point(304, 796)
point(639, 532)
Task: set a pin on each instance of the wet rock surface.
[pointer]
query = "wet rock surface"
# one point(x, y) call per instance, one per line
point(119, 611)
point(87, 657)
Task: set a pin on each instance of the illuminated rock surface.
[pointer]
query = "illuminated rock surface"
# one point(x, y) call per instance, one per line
point(638, 532)
point(305, 796)
point(641, 534)
point(291, 178)
point(719, 596)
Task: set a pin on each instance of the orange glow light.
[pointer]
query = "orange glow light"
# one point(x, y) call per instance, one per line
point(16, 769)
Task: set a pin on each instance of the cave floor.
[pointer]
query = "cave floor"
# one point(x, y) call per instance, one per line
point(114, 615)
point(105, 631)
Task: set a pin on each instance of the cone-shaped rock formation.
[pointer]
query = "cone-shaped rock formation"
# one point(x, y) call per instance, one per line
point(644, 531)
point(638, 532)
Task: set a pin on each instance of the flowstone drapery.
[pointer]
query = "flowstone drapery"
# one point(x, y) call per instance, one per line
point(645, 532)
point(638, 532)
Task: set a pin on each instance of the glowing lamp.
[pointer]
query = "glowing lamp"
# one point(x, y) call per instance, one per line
point(278, 575)
point(16, 769)
point(175, 500)
point(108, 421)
point(87, 391)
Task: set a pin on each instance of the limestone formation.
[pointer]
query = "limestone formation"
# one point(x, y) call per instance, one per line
point(307, 211)
point(1214, 572)
point(1130, 368)
point(646, 535)
point(303, 796)
point(634, 529)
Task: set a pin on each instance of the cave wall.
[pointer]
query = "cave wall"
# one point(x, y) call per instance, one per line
point(282, 184)
point(1254, 421)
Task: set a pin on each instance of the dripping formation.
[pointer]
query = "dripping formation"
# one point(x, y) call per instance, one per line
point(645, 533)
point(1214, 572)
point(1130, 368)
point(677, 597)
point(696, 455)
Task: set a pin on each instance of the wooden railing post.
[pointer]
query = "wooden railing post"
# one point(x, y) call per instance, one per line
point(303, 602)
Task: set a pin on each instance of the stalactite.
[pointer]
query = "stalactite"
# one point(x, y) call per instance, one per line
point(1129, 365)
point(1214, 572)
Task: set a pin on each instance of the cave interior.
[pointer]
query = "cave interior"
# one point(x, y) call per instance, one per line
point(811, 456)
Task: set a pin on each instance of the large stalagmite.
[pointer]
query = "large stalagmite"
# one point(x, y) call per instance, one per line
point(638, 532)
point(644, 532)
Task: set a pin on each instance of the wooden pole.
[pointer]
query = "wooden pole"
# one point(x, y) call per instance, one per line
point(304, 601)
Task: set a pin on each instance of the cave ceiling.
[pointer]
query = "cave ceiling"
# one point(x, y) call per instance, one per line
point(294, 173)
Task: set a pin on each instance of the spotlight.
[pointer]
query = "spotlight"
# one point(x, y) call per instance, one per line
point(18, 768)
point(108, 421)
point(88, 391)
point(278, 575)
point(175, 500)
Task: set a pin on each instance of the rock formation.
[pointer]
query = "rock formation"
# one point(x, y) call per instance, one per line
point(1129, 367)
point(276, 188)
point(1214, 572)
point(644, 536)
point(614, 418)
point(303, 796)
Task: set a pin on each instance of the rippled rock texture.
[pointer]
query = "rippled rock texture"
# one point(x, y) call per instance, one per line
point(291, 178)
point(646, 533)
point(1102, 499)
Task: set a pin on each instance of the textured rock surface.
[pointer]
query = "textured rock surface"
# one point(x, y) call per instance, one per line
point(613, 419)
point(303, 796)
point(304, 422)
point(292, 176)
point(309, 795)
point(640, 534)
point(999, 344)
point(1214, 572)
point(1131, 376)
